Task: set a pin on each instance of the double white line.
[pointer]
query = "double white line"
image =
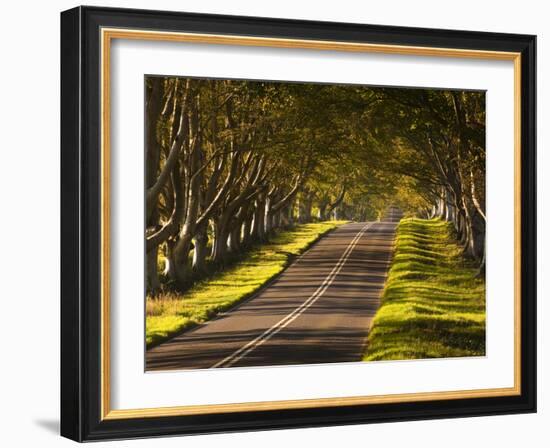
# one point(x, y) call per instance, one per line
point(269, 333)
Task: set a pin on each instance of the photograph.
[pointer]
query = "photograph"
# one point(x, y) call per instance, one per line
point(291, 223)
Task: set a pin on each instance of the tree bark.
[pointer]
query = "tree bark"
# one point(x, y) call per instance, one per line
point(336, 203)
point(247, 228)
point(308, 206)
point(219, 244)
point(322, 211)
point(152, 146)
point(268, 216)
point(234, 242)
point(258, 226)
point(180, 268)
point(152, 276)
point(153, 192)
point(200, 250)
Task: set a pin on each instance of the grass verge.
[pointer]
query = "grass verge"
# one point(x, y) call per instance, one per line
point(171, 313)
point(433, 306)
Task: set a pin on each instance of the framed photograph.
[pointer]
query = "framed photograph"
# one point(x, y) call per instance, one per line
point(275, 224)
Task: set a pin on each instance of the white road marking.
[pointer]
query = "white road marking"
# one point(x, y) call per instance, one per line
point(269, 333)
point(236, 307)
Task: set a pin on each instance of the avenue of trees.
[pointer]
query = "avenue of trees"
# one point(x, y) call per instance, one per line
point(229, 162)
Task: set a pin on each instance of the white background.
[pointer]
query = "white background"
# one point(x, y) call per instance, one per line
point(132, 388)
point(29, 177)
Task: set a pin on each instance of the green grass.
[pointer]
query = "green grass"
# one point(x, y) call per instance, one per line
point(433, 306)
point(170, 313)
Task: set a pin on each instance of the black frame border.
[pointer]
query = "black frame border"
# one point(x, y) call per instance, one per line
point(81, 223)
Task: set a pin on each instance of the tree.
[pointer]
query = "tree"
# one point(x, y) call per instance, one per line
point(230, 162)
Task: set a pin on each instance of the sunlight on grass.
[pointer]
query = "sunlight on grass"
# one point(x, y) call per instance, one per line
point(170, 313)
point(433, 305)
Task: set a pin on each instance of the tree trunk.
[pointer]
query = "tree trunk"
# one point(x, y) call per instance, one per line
point(182, 248)
point(286, 217)
point(258, 226)
point(247, 229)
point(277, 218)
point(305, 205)
point(152, 280)
point(322, 211)
point(268, 216)
point(219, 245)
point(336, 203)
point(301, 210)
point(169, 265)
point(234, 242)
point(308, 209)
point(152, 161)
point(478, 237)
point(178, 267)
point(199, 253)
point(152, 147)
point(290, 215)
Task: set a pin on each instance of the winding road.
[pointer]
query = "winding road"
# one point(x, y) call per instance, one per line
point(319, 310)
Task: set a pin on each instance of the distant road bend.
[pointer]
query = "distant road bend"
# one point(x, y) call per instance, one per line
point(319, 310)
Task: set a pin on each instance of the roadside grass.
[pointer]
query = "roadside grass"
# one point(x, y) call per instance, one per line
point(170, 313)
point(433, 306)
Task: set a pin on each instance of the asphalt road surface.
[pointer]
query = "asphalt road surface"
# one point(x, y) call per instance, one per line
point(319, 310)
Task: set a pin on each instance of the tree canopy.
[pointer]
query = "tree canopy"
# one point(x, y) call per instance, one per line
point(228, 162)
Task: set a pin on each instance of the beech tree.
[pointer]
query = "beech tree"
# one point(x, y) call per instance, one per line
point(229, 162)
point(439, 137)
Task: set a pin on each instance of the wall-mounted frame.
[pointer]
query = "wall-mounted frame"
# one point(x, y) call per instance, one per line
point(91, 70)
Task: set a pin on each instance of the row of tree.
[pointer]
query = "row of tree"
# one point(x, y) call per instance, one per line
point(228, 162)
point(438, 140)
